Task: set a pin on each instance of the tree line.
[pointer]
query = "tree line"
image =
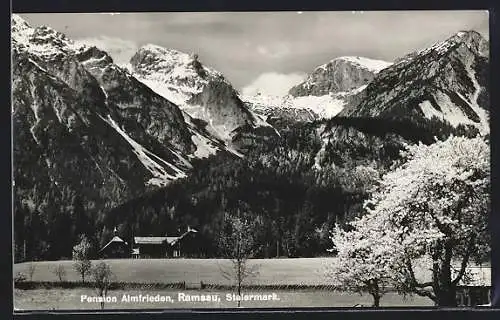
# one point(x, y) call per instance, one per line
point(295, 203)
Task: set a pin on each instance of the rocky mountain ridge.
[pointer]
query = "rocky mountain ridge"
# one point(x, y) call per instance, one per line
point(447, 81)
point(198, 90)
point(327, 90)
point(85, 128)
point(341, 74)
point(429, 93)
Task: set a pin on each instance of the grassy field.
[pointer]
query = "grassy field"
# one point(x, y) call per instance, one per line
point(299, 271)
point(67, 299)
point(272, 272)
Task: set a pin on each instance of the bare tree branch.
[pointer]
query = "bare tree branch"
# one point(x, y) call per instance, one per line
point(465, 260)
point(424, 293)
point(413, 280)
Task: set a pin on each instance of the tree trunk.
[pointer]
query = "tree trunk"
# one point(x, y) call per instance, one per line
point(447, 297)
point(102, 296)
point(374, 290)
point(239, 282)
point(444, 289)
point(239, 295)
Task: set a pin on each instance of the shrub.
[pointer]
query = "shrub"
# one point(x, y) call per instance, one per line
point(19, 277)
point(102, 276)
point(31, 271)
point(60, 272)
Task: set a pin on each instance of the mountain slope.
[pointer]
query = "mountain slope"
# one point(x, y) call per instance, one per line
point(447, 81)
point(126, 105)
point(342, 74)
point(278, 110)
point(326, 91)
point(200, 91)
point(86, 131)
point(434, 92)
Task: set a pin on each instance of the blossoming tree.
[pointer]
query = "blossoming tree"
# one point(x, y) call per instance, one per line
point(434, 208)
point(364, 260)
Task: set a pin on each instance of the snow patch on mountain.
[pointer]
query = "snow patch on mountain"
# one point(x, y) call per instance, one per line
point(322, 107)
point(327, 106)
point(198, 90)
point(170, 93)
point(362, 62)
point(170, 72)
point(484, 127)
point(429, 111)
point(203, 147)
point(42, 41)
point(150, 161)
point(449, 111)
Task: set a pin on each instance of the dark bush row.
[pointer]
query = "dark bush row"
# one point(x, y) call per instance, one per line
point(27, 285)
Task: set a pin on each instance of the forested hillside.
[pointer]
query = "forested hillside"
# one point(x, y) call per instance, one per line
point(295, 190)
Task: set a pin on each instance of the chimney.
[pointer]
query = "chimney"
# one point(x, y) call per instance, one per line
point(115, 231)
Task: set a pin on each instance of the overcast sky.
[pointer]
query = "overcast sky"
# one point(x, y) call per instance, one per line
point(267, 50)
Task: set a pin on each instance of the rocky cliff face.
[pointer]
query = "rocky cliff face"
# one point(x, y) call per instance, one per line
point(437, 91)
point(326, 91)
point(84, 127)
point(278, 110)
point(200, 91)
point(342, 74)
point(446, 82)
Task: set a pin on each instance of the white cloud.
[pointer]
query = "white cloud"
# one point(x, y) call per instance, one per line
point(119, 49)
point(278, 50)
point(262, 50)
point(272, 83)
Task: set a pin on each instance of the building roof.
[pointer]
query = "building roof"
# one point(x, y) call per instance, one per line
point(476, 277)
point(161, 240)
point(150, 240)
point(172, 240)
point(115, 239)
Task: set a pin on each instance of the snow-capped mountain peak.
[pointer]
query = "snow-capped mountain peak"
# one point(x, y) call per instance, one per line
point(328, 89)
point(341, 74)
point(446, 82)
point(18, 24)
point(172, 67)
point(200, 91)
point(362, 62)
point(42, 40)
point(469, 38)
point(82, 88)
